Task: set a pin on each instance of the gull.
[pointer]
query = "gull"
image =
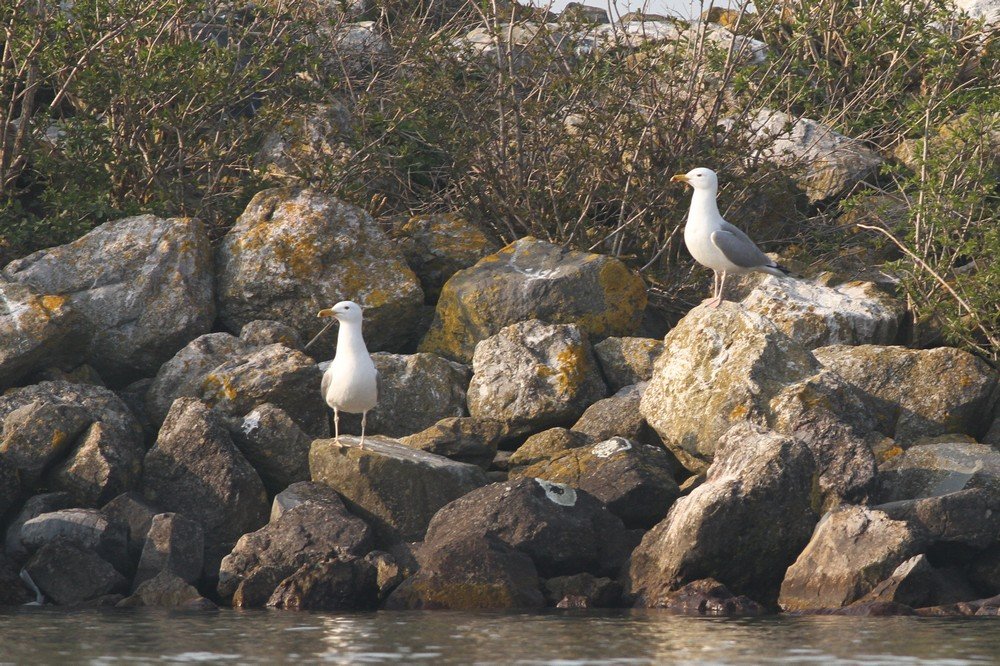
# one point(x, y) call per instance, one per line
point(715, 243)
point(351, 382)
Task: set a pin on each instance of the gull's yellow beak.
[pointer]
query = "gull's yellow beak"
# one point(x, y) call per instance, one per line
point(327, 312)
point(679, 178)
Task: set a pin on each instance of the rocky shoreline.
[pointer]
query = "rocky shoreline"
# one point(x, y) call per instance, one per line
point(540, 442)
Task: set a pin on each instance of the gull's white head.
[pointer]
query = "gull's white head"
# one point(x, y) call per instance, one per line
point(344, 311)
point(700, 179)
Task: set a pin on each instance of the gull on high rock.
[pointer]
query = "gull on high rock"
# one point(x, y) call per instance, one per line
point(715, 243)
point(351, 382)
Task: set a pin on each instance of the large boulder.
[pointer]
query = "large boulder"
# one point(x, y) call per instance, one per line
point(544, 446)
point(635, 481)
point(35, 506)
point(918, 393)
point(133, 513)
point(87, 528)
point(438, 246)
point(726, 528)
point(295, 251)
point(302, 140)
point(195, 470)
point(917, 584)
point(79, 438)
point(817, 315)
point(709, 597)
point(618, 416)
point(174, 544)
point(275, 445)
point(335, 584)
point(166, 590)
point(627, 361)
point(143, 285)
point(532, 279)
point(968, 517)
point(852, 550)
point(534, 375)
point(415, 392)
point(36, 331)
point(310, 532)
point(718, 367)
point(70, 574)
point(395, 489)
point(826, 164)
point(938, 467)
point(563, 530)
point(464, 439)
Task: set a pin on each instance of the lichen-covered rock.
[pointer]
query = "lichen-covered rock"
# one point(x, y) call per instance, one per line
point(464, 439)
point(335, 584)
point(86, 431)
point(817, 315)
point(300, 493)
point(166, 590)
point(726, 528)
point(295, 251)
point(174, 544)
point(308, 533)
point(827, 164)
point(415, 392)
point(712, 598)
point(394, 488)
point(70, 574)
point(546, 445)
point(918, 393)
point(195, 470)
point(627, 361)
point(852, 550)
point(532, 279)
point(719, 367)
point(470, 573)
point(438, 246)
point(635, 481)
point(86, 528)
point(988, 10)
point(262, 332)
point(618, 416)
point(36, 331)
point(534, 375)
point(940, 466)
point(565, 531)
point(274, 444)
point(143, 286)
point(969, 517)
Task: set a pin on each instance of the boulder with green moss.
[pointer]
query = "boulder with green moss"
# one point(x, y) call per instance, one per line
point(532, 279)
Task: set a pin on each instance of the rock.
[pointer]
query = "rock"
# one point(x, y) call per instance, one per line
point(142, 284)
point(719, 367)
point(275, 445)
point(33, 507)
point(331, 585)
point(987, 10)
point(627, 361)
point(295, 251)
point(464, 439)
point(565, 531)
point(981, 607)
point(166, 590)
point(725, 529)
point(915, 583)
point(710, 597)
point(10, 485)
point(262, 332)
point(577, 12)
point(47, 420)
point(817, 315)
point(852, 550)
point(532, 376)
point(389, 573)
point(828, 164)
point(12, 589)
point(360, 47)
point(70, 574)
point(300, 493)
point(309, 533)
point(618, 416)
point(543, 446)
point(438, 246)
point(87, 528)
point(532, 279)
point(302, 141)
point(415, 392)
point(135, 516)
point(195, 470)
point(395, 489)
point(918, 393)
point(175, 545)
point(595, 592)
point(36, 331)
point(938, 467)
point(635, 481)
point(871, 609)
point(471, 573)
point(968, 517)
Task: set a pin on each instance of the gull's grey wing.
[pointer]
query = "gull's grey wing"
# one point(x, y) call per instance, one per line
point(325, 384)
point(739, 249)
point(378, 385)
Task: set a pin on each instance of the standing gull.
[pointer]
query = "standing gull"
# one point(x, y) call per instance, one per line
point(715, 243)
point(351, 382)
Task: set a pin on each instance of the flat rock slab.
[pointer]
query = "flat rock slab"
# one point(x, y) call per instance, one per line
point(945, 465)
point(394, 488)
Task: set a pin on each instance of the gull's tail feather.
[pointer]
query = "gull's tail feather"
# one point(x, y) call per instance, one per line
point(777, 269)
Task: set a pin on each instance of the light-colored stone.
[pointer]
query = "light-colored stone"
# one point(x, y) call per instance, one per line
point(627, 361)
point(940, 466)
point(415, 392)
point(36, 331)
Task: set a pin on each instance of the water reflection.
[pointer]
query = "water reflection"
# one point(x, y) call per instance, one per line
point(563, 638)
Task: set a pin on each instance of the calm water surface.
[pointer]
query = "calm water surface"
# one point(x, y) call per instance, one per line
point(43, 636)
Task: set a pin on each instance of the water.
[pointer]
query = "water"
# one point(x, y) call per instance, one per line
point(44, 636)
